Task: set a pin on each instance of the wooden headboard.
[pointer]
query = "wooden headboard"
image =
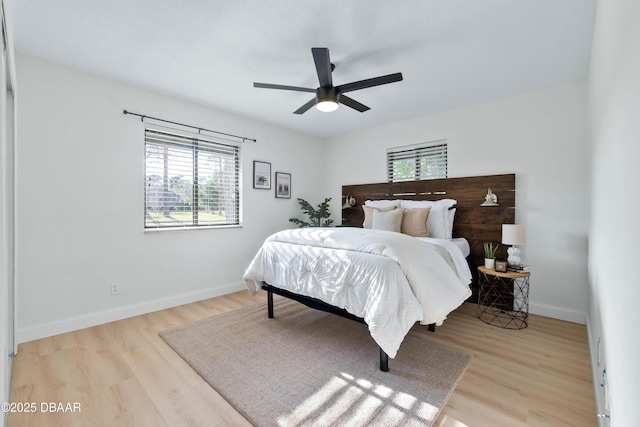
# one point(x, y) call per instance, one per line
point(478, 224)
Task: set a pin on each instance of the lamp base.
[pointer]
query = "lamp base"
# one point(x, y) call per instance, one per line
point(514, 256)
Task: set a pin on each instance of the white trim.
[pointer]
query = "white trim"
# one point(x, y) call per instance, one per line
point(101, 317)
point(556, 312)
point(202, 227)
point(595, 373)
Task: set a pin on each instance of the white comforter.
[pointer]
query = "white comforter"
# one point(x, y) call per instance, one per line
point(389, 279)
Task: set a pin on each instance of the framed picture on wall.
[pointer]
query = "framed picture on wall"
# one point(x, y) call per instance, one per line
point(283, 185)
point(261, 175)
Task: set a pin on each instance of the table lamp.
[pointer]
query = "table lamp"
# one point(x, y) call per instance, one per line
point(514, 235)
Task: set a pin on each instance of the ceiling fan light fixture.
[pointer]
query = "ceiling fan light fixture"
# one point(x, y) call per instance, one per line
point(327, 99)
point(327, 105)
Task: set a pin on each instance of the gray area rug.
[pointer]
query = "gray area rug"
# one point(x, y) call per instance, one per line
point(310, 368)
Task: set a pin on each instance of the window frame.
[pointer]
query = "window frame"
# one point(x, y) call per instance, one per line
point(434, 151)
point(197, 144)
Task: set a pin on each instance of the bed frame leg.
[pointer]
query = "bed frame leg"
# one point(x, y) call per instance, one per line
point(384, 361)
point(270, 304)
point(432, 327)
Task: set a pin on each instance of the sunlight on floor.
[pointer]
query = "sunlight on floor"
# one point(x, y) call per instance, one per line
point(447, 421)
point(350, 401)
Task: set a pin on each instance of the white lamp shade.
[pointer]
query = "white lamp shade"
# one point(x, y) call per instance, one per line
point(513, 234)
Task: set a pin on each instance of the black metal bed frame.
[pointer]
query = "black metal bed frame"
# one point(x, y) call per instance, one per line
point(323, 306)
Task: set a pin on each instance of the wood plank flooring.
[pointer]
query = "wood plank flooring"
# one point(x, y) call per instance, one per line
point(123, 374)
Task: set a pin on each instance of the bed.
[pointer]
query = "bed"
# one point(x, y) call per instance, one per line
point(373, 273)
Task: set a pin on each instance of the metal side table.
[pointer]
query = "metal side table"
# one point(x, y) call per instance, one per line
point(503, 298)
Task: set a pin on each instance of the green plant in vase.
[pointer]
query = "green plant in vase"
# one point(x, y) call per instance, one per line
point(317, 217)
point(490, 255)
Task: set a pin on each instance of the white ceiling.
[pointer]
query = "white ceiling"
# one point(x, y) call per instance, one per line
point(452, 53)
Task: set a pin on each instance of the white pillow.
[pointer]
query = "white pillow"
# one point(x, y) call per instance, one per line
point(440, 220)
point(368, 214)
point(450, 218)
point(387, 220)
point(381, 204)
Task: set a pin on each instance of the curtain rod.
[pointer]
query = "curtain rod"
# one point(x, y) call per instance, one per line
point(142, 117)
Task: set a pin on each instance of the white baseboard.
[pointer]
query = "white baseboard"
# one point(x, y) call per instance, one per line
point(98, 318)
point(560, 313)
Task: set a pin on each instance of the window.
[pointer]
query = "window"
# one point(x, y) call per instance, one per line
point(415, 162)
point(191, 180)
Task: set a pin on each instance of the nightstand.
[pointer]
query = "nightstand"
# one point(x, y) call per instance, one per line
point(503, 298)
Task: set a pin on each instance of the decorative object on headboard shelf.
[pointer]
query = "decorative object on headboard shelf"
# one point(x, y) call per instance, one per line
point(490, 199)
point(514, 235)
point(349, 202)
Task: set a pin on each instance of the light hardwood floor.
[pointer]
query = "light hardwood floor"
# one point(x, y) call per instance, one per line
point(123, 374)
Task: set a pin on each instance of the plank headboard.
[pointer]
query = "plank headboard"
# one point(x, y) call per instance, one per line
point(478, 224)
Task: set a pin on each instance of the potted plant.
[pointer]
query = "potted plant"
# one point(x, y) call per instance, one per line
point(317, 217)
point(490, 255)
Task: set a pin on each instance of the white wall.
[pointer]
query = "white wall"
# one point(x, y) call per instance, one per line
point(80, 203)
point(541, 137)
point(614, 107)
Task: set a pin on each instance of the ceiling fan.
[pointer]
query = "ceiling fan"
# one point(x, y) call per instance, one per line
point(329, 96)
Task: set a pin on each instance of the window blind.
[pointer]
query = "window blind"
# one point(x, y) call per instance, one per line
point(416, 162)
point(191, 179)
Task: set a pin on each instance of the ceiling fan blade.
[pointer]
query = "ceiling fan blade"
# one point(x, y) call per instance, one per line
point(376, 81)
point(350, 102)
point(283, 87)
point(305, 107)
point(323, 65)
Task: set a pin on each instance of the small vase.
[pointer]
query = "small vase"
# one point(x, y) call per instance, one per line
point(490, 263)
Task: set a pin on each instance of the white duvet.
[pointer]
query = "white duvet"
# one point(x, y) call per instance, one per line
point(389, 279)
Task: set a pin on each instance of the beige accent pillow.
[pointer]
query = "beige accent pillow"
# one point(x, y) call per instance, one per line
point(414, 222)
point(368, 214)
point(390, 220)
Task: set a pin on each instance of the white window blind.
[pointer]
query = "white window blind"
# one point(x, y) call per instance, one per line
point(416, 162)
point(191, 180)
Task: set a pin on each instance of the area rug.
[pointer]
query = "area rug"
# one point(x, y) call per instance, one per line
point(309, 368)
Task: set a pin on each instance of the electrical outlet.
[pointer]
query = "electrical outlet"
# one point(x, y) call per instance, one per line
point(114, 288)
